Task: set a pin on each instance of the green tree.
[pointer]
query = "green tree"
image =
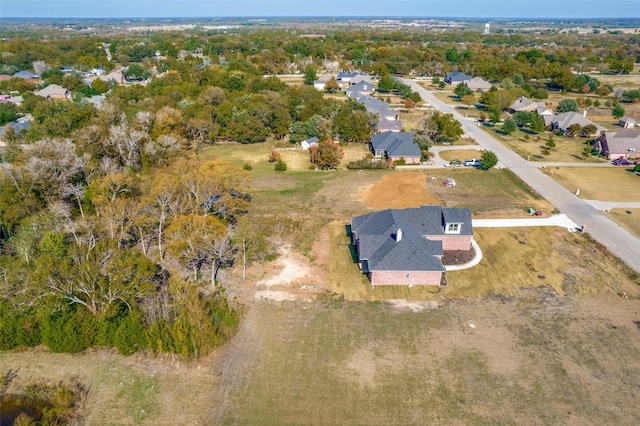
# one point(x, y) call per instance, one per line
point(617, 111)
point(567, 105)
point(509, 126)
point(310, 75)
point(488, 160)
point(386, 83)
point(8, 113)
point(468, 100)
point(280, 165)
point(537, 123)
point(462, 90)
point(441, 127)
point(331, 85)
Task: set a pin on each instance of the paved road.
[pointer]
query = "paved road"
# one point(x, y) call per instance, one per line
point(603, 229)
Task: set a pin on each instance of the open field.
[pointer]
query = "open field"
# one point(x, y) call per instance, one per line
point(600, 183)
point(629, 221)
point(530, 359)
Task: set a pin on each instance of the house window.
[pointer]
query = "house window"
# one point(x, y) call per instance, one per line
point(453, 228)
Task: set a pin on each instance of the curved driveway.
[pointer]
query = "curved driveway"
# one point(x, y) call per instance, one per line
point(603, 229)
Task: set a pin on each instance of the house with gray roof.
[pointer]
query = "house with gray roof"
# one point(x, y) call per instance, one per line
point(478, 84)
point(362, 88)
point(395, 146)
point(27, 75)
point(456, 77)
point(624, 143)
point(386, 125)
point(565, 120)
point(524, 104)
point(405, 247)
point(307, 144)
point(627, 122)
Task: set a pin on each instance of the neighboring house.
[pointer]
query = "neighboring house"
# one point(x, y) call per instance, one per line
point(344, 78)
point(395, 146)
point(320, 83)
point(386, 125)
point(524, 104)
point(361, 77)
point(627, 122)
point(309, 143)
point(624, 143)
point(362, 88)
point(405, 247)
point(477, 84)
point(27, 75)
point(456, 77)
point(565, 120)
point(66, 69)
point(5, 77)
point(54, 91)
point(16, 100)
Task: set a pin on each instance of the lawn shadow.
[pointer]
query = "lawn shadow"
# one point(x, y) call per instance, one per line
point(352, 247)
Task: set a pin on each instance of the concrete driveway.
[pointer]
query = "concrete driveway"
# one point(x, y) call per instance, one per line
point(603, 229)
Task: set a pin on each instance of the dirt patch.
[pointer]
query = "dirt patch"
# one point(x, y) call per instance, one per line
point(292, 276)
point(405, 305)
point(398, 191)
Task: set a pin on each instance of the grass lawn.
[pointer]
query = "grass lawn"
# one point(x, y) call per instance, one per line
point(566, 149)
point(537, 359)
point(488, 193)
point(460, 154)
point(600, 183)
point(629, 221)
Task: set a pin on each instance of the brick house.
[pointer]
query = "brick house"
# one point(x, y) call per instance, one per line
point(405, 247)
point(624, 143)
point(395, 146)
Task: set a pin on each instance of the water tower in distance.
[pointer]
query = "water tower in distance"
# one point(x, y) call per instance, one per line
point(486, 28)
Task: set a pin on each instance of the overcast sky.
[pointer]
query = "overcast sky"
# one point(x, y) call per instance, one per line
point(563, 9)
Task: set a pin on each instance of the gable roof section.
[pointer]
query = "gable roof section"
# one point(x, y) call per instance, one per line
point(456, 76)
point(566, 119)
point(525, 104)
point(362, 86)
point(387, 124)
point(622, 141)
point(26, 75)
point(52, 90)
point(478, 83)
point(396, 144)
point(377, 232)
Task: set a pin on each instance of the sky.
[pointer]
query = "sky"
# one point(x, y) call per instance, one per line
point(482, 9)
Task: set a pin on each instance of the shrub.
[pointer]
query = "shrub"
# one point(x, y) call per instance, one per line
point(401, 162)
point(367, 164)
point(247, 166)
point(280, 165)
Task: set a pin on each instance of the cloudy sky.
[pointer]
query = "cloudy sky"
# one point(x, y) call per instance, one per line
point(564, 9)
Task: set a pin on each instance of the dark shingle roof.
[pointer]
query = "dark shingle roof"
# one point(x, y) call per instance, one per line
point(396, 144)
point(377, 237)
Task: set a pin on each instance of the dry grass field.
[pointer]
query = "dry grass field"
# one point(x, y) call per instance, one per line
point(566, 149)
point(600, 183)
point(629, 219)
point(460, 154)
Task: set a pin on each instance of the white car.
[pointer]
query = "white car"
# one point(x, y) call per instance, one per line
point(472, 163)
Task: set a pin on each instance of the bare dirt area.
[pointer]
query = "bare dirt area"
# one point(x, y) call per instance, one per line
point(397, 191)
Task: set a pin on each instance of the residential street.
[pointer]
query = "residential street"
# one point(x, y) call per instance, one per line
point(607, 232)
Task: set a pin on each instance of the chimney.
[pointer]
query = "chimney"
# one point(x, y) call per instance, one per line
point(399, 235)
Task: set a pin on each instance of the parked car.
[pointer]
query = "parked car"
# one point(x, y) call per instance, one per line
point(622, 162)
point(472, 163)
